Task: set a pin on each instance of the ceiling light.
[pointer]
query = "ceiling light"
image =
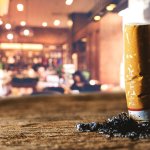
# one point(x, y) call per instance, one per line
point(22, 23)
point(10, 36)
point(69, 2)
point(26, 32)
point(97, 18)
point(56, 22)
point(44, 24)
point(8, 26)
point(111, 7)
point(1, 22)
point(20, 7)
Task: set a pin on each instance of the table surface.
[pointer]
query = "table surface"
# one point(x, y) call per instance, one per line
point(48, 122)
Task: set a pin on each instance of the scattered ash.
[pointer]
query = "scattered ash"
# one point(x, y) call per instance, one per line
point(118, 126)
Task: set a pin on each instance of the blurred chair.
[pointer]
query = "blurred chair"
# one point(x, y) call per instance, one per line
point(24, 82)
point(54, 89)
point(91, 88)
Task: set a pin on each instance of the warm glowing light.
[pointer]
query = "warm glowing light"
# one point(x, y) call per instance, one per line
point(111, 7)
point(56, 22)
point(104, 87)
point(65, 46)
point(74, 56)
point(10, 46)
point(69, 68)
point(1, 22)
point(52, 47)
point(10, 36)
point(35, 61)
point(93, 82)
point(22, 23)
point(32, 46)
point(70, 23)
point(8, 26)
point(11, 60)
point(69, 2)
point(26, 32)
point(20, 7)
point(30, 54)
point(18, 46)
point(44, 24)
point(97, 18)
point(84, 39)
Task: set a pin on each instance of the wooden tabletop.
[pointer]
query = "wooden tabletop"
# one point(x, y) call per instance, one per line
point(48, 122)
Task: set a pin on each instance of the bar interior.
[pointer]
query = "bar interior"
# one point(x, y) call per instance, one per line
point(61, 63)
point(45, 46)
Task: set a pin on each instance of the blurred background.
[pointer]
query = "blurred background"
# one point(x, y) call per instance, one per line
point(61, 46)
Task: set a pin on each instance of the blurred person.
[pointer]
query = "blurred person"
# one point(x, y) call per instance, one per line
point(80, 82)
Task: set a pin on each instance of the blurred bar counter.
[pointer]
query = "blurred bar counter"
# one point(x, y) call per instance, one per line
point(48, 122)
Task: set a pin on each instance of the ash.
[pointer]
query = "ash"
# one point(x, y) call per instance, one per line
point(118, 126)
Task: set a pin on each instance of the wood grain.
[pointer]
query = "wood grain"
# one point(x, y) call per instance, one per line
point(48, 122)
